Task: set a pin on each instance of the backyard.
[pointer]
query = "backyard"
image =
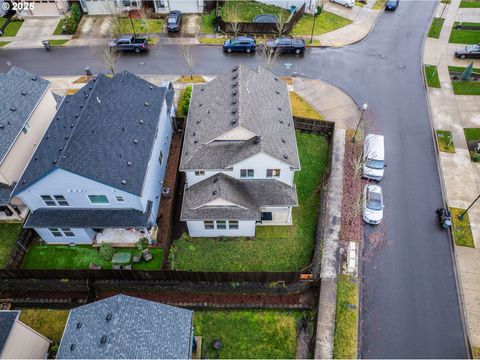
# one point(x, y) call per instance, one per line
point(458, 36)
point(8, 235)
point(80, 256)
point(49, 323)
point(472, 135)
point(248, 334)
point(275, 248)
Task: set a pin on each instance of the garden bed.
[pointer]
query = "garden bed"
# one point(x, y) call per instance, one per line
point(282, 248)
point(472, 135)
point(462, 232)
point(445, 141)
point(461, 87)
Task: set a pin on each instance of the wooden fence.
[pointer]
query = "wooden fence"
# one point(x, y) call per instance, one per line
point(20, 247)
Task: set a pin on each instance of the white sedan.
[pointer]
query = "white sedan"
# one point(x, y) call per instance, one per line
point(373, 204)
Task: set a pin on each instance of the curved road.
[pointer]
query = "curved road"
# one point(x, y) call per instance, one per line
point(410, 305)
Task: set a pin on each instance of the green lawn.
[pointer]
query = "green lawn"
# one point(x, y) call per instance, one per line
point(301, 108)
point(79, 257)
point(379, 5)
point(207, 24)
point(445, 141)
point(462, 232)
point(12, 28)
point(325, 22)
point(212, 40)
point(248, 334)
point(470, 4)
point(154, 26)
point(3, 43)
point(436, 28)
point(472, 133)
point(248, 9)
point(464, 36)
point(57, 42)
point(431, 75)
point(58, 29)
point(461, 87)
point(285, 248)
point(346, 319)
point(49, 323)
point(8, 235)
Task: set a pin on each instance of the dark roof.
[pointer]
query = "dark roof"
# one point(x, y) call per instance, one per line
point(20, 92)
point(248, 196)
point(7, 321)
point(105, 132)
point(5, 192)
point(81, 218)
point(138, 329)
point(257, 101)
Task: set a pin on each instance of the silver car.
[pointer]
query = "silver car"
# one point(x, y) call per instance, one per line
point(346, 3)
point(373, 204)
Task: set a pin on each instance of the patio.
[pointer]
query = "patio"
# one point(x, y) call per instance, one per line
point(120, 237)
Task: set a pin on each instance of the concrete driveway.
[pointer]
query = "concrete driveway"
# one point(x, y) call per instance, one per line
point(39, 28)
point(93, 27)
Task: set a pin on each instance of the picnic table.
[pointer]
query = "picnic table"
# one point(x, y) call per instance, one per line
point(121, 258)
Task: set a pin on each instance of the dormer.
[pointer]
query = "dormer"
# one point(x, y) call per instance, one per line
point(239, 133)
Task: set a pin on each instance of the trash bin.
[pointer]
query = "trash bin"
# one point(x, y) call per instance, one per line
point(88, 72)
point(46, 44)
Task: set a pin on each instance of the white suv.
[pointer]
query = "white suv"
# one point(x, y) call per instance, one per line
point(346, 3)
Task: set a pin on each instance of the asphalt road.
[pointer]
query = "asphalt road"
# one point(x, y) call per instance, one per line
point(410, 304)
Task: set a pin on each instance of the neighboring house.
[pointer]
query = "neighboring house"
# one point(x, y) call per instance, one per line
point(124, 327)
point(27, 108)
point(43, 8)
point(239, 155)
point(18, 341)
point(101, 164)
point(104, 7)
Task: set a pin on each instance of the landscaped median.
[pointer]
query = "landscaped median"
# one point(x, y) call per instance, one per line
point(445, 141)
point(462, 232)
point(436, 28)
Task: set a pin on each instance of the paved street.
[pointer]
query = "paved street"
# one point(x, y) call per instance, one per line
point(410, 306)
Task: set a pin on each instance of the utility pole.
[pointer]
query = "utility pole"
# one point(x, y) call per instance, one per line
point(364, 108)
point(318, 11)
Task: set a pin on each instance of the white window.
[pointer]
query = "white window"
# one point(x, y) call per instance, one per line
point(161, 157)
point(98, 199)
point(233, 225)
point(119, 198)
point(26, 128)
point(60, 199)
point(48, 200)
point(55, 232)
point(199, 173)
point(221, 225)
point(273, 173)
point(209, 225)
point(246, 173)
point(67, 232)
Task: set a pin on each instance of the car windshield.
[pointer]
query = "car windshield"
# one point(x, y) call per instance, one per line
point(472, 48)
point(172, 20)
point(374, 201)
point(375, 164)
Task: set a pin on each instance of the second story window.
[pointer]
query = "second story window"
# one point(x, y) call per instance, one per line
point(246, 173)
point(60, 199)
point(98, 199)
point(48, 200)
point(200, 173)
point(273, 173)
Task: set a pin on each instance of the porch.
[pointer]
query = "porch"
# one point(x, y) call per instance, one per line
point(13, 213)
point(123, 237)
point(275, 216)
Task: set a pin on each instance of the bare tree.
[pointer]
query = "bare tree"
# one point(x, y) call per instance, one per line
point(232, 16)
point(269, 56)
point(281, 23)
point(108, 56)
point(187, 55)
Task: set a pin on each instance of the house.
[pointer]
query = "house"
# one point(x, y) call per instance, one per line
point(14, 335)
point(105, 7)
point(239, 155)
point(27, 108)
point(45, 8)
point(125, 327)
point(99, 168)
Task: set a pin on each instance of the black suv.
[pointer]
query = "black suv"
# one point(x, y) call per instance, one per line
point(174, 21)
point(287, 45)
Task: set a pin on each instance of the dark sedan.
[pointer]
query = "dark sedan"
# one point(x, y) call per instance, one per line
point(174, 21)
point(287, 45)
point(239, 44)
point(469, 51)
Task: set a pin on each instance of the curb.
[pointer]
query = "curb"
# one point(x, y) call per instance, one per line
point(461, 302)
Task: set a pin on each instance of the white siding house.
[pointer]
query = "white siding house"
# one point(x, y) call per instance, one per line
point(106, 171)
point(239, 155)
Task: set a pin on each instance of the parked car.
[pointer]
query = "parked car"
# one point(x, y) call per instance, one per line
point(346, 3)
point(174, 21)
point(129, 43)
point(373, 204)
point(373, 157)
point(469, 51)
point(241, 43)
point(287, 45)
point(391, 5)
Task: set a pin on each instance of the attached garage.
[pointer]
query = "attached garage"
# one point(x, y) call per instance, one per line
point(186, 6)
point(106, 7)
point(46, 8)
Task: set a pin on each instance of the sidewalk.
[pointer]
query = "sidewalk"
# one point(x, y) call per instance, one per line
point(461, 176)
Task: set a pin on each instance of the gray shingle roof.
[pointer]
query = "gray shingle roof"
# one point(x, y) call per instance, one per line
point(20, 92)
point(138, 329)
point(88, 218)
point(249, 195)
point(5, 192)
point(7, 320)
point(254, 100)
point(104, 132)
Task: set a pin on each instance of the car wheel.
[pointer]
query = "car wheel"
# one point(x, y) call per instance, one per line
point(346, 5)
point(137, 50)
point(298, 51)
point(229, 50)
point(462, 56)
point(249, 51)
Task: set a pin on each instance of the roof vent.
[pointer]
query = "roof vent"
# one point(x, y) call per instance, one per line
point(280, 121)
point(146, 104)
point(234, 101)
point(79, 325)
point(276, 79)
point(277, 92)
point(234, 92)
point(108, 317)
point(200, 105)
point(55, 161)
point(61, 148)
point(288, 124)
point(193, 134)
point(234, 121)
point(129, 163)
point(24, 182)
point(13, 108)
point(150, 87)
point(72, 347)
point(285, 156)
point(140, 121)
point(214, 192)
point(58, 117)
point(234, 76)
point(198, 121)
point(77, 115)
point(123, 128)
point(257, 140)
point(67, 136)
point(67, 100)
point(283, 140)
point(208, 112)
point(202, 89)
point(195, 141)
point(234, 84)
point(86, 96)
point(36, 157)
point(234, 111)
point(103, 339)
point(279, 108)
point(23, 93)
point(90, 87)
point(124, 182)
point(48, 136)
point(2, 126)
point(215, 180)
point(81, 106)
point(34, 78)
point(135, 141)
point(72, 126)
point(235, 68)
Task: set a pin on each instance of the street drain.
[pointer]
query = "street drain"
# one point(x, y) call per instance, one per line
point(402, 66)
point(383, 56)
point(141, 63)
